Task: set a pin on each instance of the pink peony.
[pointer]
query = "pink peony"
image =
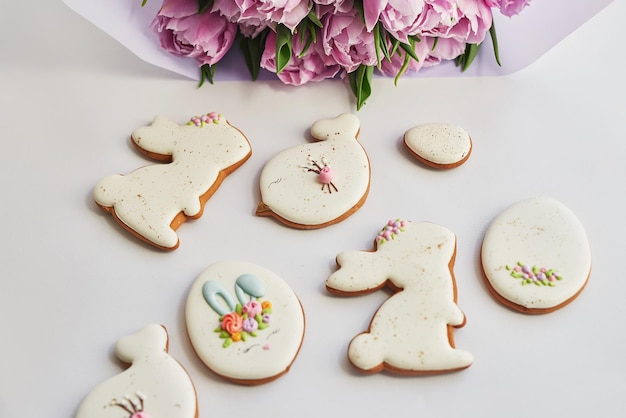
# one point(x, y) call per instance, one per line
point(509, 7)
point(260, 14)
point(182, 31)
point(465, 20)
point(313, 65)
point(345, 39)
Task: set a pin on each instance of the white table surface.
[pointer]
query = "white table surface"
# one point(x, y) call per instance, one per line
point(72, 282)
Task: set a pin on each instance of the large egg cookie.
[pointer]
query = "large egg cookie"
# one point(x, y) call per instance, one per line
point(317, 184)
point(439, 145)
point(535, 256)
point(244, 322)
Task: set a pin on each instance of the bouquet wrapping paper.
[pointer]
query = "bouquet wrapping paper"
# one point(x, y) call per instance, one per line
point(522, 39)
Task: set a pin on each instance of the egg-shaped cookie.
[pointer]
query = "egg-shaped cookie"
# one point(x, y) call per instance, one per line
point(439, 145)
point(244, 322)
point(535, 256)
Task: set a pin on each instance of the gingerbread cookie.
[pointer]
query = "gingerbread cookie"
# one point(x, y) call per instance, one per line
point(535, 256)
point(439, 145)
point(154, 385)
point(244, 322)
point(411, 333)
point(317, 184)
point(153, 201)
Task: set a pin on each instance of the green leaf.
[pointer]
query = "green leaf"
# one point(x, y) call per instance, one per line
point(143, 3)
point(244, 335)
point(494, 42)
point(252, 49)
point(283, 47)
point(204, 5)
point(361, 84)
point(410, 49)
point(227, 342)
point(314, 19)
point(207, 72)
point(466, 59)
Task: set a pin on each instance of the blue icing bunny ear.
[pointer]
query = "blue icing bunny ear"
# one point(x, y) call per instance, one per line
point(211, 290)
point(246, 284)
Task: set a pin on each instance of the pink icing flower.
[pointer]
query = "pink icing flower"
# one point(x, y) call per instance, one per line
point(313, 65)
point(252, 308)
point(182, 31)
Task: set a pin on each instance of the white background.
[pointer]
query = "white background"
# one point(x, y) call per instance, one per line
point(72, 281)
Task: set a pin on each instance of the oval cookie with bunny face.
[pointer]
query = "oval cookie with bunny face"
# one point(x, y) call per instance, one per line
point(536, 257)
point(317, 184)
point(244, 322)
point(439, 145)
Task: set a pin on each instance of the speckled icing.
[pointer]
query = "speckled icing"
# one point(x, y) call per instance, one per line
point(317, 183)
point(147, 200)
point(224, 301)
point(439, 143)
point(154, 386)
point(540, 233)
point(411, 332)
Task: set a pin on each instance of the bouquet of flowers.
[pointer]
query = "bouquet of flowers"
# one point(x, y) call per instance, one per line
point(312, 40)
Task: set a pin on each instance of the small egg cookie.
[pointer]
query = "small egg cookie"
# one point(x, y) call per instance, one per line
point(244, 322)
point(317, 184)
point(535, 256)
point(439, 145)
point(154, 385)
point(153, 201)
point(412, 331)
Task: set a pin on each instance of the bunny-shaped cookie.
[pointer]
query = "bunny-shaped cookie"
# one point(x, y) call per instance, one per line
point(411, 333)
point(153, 201)
point(317, 184)
point(154, 386)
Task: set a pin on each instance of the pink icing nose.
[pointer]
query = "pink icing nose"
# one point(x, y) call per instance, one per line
point(139, 415)
point(326, 175)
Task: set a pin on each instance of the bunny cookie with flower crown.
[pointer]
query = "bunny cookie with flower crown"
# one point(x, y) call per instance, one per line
point(153, 201)
point(411, 333)
point(317, 184)
point(154, 386)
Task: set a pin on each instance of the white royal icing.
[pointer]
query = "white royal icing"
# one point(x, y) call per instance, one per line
point(441, 144)
point(259, 358)
point(542, 233)
point(148, 199)
point(410, 331)
point(154, 386)
point(300, 196)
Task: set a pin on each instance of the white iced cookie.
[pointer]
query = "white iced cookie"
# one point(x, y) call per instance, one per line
point(154, 386)
point(439, 145)
point(244, 322)
point(411, 332)
point(317, 184)
point(153, 201)
point(535, 256)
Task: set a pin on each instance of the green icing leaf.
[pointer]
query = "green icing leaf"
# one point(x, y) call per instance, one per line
point(227, 343)
point(224, 334)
